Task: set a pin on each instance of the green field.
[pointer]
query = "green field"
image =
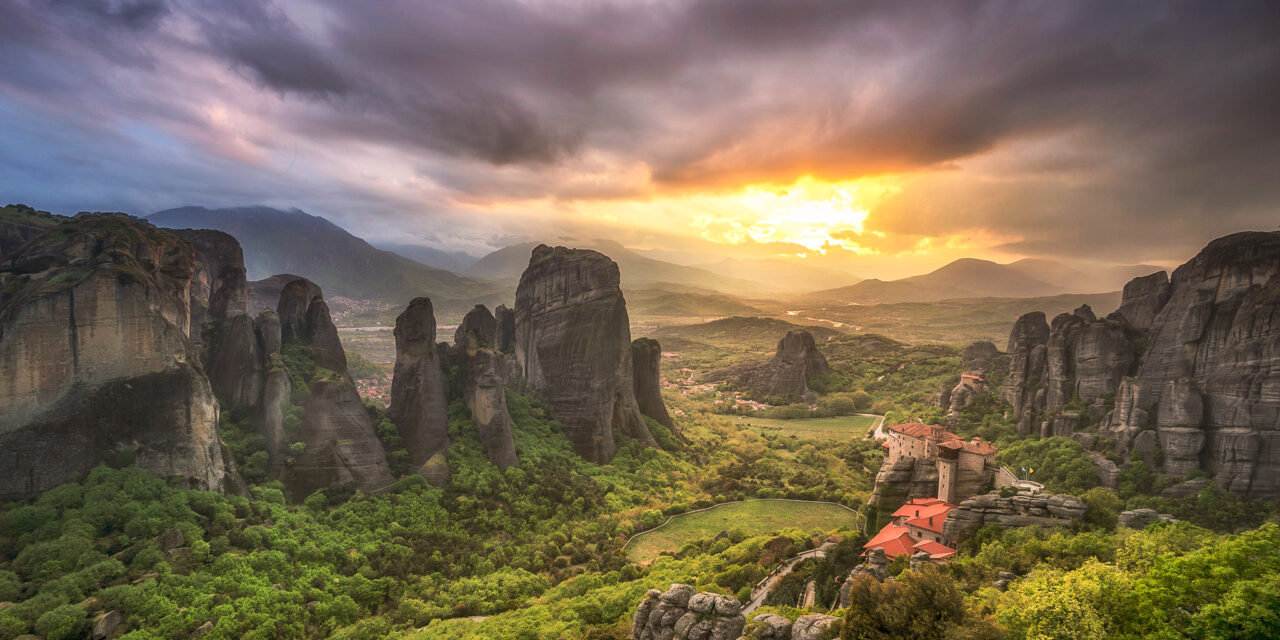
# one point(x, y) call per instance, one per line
point(753, 517)
point(818, 428)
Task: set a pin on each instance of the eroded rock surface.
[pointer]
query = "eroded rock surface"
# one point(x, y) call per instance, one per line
point(573, 345)
point(340, 444)
point(96, 357)
point(419, 389)
point(679, 612)
point(646, 356)
point(1020, 510)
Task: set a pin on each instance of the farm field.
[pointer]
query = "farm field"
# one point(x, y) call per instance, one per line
point(838, 428)
point(753, 517)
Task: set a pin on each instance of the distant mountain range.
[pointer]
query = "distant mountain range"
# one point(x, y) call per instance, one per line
point(637, 271)
point(276, 241)
point(455, 261)
point(974, 278)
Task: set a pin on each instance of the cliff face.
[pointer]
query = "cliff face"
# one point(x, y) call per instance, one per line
point(1021, 510)
point(646, 358)
point(1209, 382)
point(419, 403)
point(1206, 387)
point(485, 393)
point(1078, 359)
point(573, 344)
point(796, 361)
point(341, 445)
point(96, 357)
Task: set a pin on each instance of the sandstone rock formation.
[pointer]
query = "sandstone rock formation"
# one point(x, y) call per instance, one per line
point(1143, 298)
point(1020, 510)
point(485, 394)
point(505, 339)
point(982, 356)
point(419, 389)
point(1075, 358)
point(796, 361)
point(680, 613)
point(96, 356)
point(276, 388)
point(876, 565)
point(573, 345)
point(341, 446)
point(646, 357)
point(478, 330)
point(1209, 379)
point(1027, 352)
point(1142, 518)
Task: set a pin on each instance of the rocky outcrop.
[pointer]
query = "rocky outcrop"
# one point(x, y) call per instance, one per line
point(265, 293)
point(1209, 381)
point(478, 330)
point(876, 565)
point(1020, 510)
point(1142, 518)
point(1077, 357)
point(340, 444)
point(796, 361)
point(215, 252)
point(232, 357)
point(419, 388)
point(680, 613)
point(20, 224)
point(1143, 298)
point(573, 345)
point(907, 477)
point(505, 338)
point(1026, 361)
point(646, 358)
point(981, 357)
point(486, 396)
point(276, 388)
point(96, 357)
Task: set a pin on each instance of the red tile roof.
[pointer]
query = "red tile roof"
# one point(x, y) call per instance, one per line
point(948, 440)
point(893, 539)
point(936, 550)
point(913, 506)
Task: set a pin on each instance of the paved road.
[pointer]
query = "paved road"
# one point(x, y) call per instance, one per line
point(760, 593)
point(878, 432)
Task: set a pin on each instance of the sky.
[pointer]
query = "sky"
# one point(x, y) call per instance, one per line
point(885, 138)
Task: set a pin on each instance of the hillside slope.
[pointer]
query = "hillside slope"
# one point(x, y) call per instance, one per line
point(277, 241)
point(637, 270)
point(964, 278)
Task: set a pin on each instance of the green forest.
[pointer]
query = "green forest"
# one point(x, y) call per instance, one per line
point(538, 551)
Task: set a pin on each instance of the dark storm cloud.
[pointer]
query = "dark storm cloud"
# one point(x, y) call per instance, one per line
point(1045, 121)
point(131, 14)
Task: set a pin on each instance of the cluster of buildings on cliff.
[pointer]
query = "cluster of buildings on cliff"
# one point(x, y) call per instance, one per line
point(941, 468)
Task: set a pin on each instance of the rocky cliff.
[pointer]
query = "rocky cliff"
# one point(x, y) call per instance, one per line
point(646, 358)
point(1074, 364)
point(20, 224)
point(1209, 382)
point(482, 376)
point(340, 444)
point(795, 362)
point(679, 612)
point(573, 345)
point(419, 388)
point(96, 357)
point(1188, 365)
point(1020, 510)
